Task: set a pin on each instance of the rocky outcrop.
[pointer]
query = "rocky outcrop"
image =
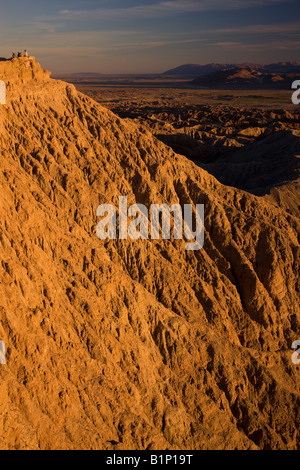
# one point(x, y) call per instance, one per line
point(22, 70)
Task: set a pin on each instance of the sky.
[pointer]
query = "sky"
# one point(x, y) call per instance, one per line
point(149, 36)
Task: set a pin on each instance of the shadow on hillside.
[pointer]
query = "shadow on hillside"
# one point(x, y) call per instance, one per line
point(256, 168)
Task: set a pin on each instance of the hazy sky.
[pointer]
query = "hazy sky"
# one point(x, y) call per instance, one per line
point(130, 36)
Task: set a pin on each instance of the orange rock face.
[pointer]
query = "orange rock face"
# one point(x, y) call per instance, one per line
point(135, 344)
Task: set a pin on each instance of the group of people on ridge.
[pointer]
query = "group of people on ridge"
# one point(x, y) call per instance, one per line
point(20, 54)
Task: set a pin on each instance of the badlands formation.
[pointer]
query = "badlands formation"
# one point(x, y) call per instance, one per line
point(136, 344)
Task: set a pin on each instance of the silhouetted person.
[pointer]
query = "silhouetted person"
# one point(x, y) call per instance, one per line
point(20, 54)
point(25, 53)
point(13, 56)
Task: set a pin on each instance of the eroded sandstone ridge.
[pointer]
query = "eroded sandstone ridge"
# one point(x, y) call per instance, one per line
point(135, 344)
point(21, 70)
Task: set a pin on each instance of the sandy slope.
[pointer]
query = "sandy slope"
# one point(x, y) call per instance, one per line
point(135, 344)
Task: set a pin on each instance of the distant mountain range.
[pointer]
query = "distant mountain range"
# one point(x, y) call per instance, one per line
point(195, 70)
point(245, 78)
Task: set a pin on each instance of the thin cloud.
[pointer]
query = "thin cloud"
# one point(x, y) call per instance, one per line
point(43, 27)
point(259, 47)
point(285, 28)
point(167, 8)
point(226, 44)
point(76, 48)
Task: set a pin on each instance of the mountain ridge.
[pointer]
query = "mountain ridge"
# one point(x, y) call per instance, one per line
point(243, 78)
point(195, 70)
point(135, 344)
